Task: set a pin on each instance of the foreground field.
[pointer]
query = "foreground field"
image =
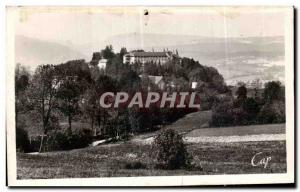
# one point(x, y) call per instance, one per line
point(112, 160)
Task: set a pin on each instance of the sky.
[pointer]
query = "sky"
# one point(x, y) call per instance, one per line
point(84, 25)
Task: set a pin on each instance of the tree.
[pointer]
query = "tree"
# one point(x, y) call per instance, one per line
point(129, 81)
point(114, 66)
point(75, 78)
point(241, 93)
point(150, 68)
point(96, 56)
point(108, 52)
point(251, 106)
point(273, 91)
point(42, 94)
point(68, 93)
point(134, 119)
point(103, 84)
point(123, 51)
point(90, 106)
point(22, 77)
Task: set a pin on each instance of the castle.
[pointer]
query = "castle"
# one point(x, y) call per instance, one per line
point(145, 57)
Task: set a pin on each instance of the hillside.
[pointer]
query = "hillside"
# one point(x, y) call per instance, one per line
point(192, 121)
point(32, 52)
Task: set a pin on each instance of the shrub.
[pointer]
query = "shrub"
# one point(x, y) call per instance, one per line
point(272, 113)
point(57, 140)
point(222, 114)
point(135, 165)
point(22, 141)
point(79, 139)
point(51, 142)
point(169, 150)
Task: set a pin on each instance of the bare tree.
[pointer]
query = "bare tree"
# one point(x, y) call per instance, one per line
point(42, 94)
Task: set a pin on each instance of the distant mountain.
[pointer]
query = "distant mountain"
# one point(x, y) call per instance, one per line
point(217, 48)
point(237, 59)
point(138, 40)
point(149, 40)
point(32, 52)
point(196, 46)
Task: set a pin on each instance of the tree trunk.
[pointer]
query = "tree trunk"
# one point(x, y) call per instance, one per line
point(41, 145)
point(92, 126)
point(70, 125)
point(104, 123)
point(99, 120)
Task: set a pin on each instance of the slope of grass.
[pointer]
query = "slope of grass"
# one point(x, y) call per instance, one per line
point(191, 121)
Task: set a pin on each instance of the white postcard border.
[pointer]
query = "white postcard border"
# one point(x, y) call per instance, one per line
point(12, 14)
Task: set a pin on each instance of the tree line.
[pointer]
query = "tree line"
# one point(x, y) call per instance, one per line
point(53, 101)
point(263, 106)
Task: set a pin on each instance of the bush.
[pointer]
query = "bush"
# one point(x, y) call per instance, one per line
point(135, 165)
point(272, 113)
point(222, 114)
point(169, 150)
point(58, 140)
point(22, 141)
point(81, 138)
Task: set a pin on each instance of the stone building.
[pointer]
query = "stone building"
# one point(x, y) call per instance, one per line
point(144, 57)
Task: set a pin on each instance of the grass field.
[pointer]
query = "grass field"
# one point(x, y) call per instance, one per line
point(192, 121)
point(239, 130)
point(110, 160)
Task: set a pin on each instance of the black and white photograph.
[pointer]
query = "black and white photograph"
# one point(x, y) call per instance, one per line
point(149, 95)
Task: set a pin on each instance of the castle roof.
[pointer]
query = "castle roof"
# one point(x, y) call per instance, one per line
point(150, 54)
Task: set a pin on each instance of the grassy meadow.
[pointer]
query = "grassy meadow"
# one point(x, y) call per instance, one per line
point(131, 158)
point(115, 160)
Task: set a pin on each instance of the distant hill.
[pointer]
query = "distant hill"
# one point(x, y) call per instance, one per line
point(32, 52)
point(198, 47)
point(237, 59)
point(149, 40)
